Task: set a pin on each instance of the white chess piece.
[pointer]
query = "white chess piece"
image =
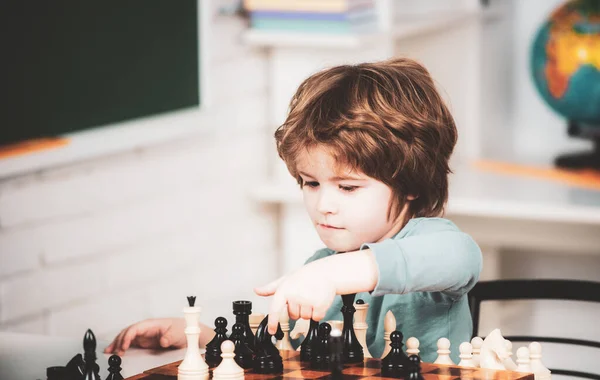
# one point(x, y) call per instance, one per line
point(193, 366)
point(412, 346)
point(476, 342)
point(228, 369)
point(284, 322)
point(443, 352)
point(523, 360)
point(535, 355)
point(360, 327)
point(493, 351)
point(389, 326)
point(300, 329)
point(254, 320)
point(466, 355)
point(509, 364)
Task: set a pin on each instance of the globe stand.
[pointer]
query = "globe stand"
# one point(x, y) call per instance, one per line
point(583, 160)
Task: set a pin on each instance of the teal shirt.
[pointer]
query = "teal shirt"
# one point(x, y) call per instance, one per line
point(425, 272)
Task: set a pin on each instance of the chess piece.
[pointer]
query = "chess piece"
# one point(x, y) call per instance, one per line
point(508, 363)
point(254, 320)
point(443, 351)
point(493, 351)
point(396, 363)
point(414, 372)
point(353, 351)
point(242, 311)
point(360, 325)
point(193, 367)
point(336, 356)
point(319, 359)
point(523, 361)
point(535, 361)
point(267, 359)
point(412, 346)
point(284, 321)
point(228, 369)
point(212, 355)
point(75, 368)
point(114, 368)
point(389, 325)
point(56, 373)
point(466, 355)
point(92, 370)
point(243, 353)
point(476, 342)
point(307, 343)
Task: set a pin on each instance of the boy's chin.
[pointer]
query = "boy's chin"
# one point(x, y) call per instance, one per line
point(340, 246)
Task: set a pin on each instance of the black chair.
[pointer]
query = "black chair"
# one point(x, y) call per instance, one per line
point(501, 290)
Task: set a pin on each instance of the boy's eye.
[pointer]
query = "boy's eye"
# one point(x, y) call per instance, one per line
point(348, 188)
point(311, 183)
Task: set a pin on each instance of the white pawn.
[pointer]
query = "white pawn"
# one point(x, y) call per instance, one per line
point(523, 360)
point(509, 364)
point(412, 346)
point(466, 355)
point(228, 369)
point(443, 352)
point(476, 342)
point(389, 326)
point(535, 355)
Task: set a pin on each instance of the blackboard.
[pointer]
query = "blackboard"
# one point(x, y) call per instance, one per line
point(74, 65)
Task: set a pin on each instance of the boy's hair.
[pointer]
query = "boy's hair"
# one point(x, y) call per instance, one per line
point(384, 119)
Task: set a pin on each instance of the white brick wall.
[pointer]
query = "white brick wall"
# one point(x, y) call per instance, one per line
point(104, 243)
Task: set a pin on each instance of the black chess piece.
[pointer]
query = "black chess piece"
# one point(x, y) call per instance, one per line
point(92, 370)
point(75, 369)
point(114, 368)
point(213, 348)
point(360, 301)
point(414, 372)
point(191, 300)
point(353, 351)
point(56, 373)
point(306, 345)
point(242, 311)
point(396, 363)
point(320, 350)
point(336, 357)
point(243, 354)
point(267, 359)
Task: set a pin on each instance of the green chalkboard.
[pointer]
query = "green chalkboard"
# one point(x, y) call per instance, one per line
point(80, 64)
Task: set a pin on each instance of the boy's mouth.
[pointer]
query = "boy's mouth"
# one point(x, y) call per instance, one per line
point(327, 226)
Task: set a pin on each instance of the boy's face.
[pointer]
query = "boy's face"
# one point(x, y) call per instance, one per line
point(346, 207)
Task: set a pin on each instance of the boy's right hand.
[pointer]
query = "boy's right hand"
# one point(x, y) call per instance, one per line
point(150, 333)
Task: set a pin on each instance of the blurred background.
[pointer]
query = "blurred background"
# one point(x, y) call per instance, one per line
point(138, 164)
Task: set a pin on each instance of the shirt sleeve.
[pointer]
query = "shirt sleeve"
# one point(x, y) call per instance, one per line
point(446, 261)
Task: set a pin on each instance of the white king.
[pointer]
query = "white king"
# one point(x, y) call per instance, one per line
point(193, 367)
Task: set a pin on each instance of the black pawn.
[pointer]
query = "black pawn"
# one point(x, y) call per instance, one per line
point(268, 359)
point(353, 351)
point(306, 346)
point(415, 368)
point(75, 369)
point(396, 363)
point(336, 358)
point(92, 370)
point(213, 348)
point(243, 353)
point(320, 351)
point(56, 373)
point(114, 368)
point(242, 311)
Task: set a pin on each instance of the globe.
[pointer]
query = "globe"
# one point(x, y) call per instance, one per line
point(565, 66)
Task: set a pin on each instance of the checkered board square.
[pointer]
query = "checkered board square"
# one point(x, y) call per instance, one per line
point(370, 369)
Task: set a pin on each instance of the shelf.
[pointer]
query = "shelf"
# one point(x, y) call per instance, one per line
point(418, 25)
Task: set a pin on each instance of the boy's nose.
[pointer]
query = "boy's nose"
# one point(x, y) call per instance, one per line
point(326, 204)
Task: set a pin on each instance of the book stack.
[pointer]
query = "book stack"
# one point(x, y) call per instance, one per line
point(313, 16)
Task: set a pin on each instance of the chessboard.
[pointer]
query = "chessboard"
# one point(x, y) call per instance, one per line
point(370, 369)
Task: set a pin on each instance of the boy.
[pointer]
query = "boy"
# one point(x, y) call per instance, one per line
point(369, 146)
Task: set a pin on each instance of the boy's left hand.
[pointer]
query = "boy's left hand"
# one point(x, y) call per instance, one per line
point(307, 293)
